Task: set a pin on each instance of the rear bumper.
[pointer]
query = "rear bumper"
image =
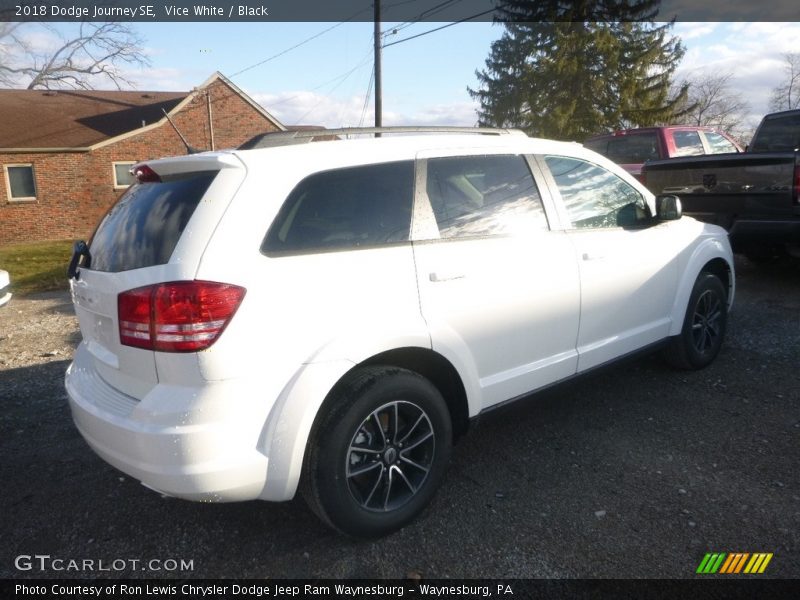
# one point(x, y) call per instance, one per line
point(747, 231)
point(197, 443)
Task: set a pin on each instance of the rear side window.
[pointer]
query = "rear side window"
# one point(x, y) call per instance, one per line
point(345, 209)
point(687, 143)
point(627, 149)
point(719, 144)
point(144, 226)
point(484, 195)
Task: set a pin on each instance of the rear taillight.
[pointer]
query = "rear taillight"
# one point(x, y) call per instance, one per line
point(180, 316)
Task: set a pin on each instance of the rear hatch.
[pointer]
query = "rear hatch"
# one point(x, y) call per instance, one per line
point(155, 233)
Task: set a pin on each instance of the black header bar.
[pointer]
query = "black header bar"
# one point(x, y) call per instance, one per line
point(178, 11)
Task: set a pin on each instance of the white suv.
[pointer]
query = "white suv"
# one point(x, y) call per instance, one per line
point(329, 316)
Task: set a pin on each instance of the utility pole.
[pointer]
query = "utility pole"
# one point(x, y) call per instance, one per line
point(378, 86)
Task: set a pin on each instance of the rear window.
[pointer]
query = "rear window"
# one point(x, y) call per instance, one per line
point(345, 209)
point(144, 226)
point(778, 134)
point(627, 149)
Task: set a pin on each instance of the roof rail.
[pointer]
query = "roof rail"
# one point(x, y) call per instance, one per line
point(287, 138)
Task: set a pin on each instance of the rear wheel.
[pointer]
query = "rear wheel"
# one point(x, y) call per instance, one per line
point(378, 451)
point(703, 326)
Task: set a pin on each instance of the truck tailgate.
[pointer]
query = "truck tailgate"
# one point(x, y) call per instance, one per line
point(722, 188)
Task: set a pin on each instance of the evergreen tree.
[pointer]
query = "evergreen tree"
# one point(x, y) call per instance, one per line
point(568, 70)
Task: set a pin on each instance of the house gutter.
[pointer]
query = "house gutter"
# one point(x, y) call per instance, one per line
point(43, 150)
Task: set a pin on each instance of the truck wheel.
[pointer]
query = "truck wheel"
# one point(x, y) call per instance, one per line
point(703, 326)
point(377, 452)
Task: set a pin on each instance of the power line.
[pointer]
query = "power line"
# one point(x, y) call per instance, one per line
point(480, 14)
point(334, 88)
point(366, 98)
point(424, 14)
point(287, 50)
point(279, 54)
point(363, 61)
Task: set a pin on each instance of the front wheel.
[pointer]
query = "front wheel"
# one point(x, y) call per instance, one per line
point(378, 451)
point(703, 326)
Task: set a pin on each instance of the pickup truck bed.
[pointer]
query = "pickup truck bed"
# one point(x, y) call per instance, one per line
point(754, 195)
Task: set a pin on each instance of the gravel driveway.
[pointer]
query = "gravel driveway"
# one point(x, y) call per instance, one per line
point(636, 471)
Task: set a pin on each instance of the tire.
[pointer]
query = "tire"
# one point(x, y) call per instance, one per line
point(703, 326)
point(377, 452)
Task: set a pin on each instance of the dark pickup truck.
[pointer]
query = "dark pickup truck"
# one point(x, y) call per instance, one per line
point(755, 195)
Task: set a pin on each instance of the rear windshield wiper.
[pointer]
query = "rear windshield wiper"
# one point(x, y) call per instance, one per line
point(80, 258)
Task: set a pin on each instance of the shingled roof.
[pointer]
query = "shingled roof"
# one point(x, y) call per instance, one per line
point(53, 120)
point(77, 119)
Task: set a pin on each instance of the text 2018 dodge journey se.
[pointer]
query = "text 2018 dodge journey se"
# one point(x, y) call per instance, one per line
point(327, 317)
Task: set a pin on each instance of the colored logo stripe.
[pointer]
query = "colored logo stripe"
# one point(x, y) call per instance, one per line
point(734, 562)
point(758, 563)
point(711, 562)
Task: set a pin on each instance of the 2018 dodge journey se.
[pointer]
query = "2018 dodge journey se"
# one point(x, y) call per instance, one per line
point(327, 317)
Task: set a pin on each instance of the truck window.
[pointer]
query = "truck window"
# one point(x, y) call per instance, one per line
point(687, 143)
point(627, 149)
point(777, 134)
point(718, 144)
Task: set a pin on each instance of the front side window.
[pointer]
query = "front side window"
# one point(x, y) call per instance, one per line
point(719, 144)
point(21, 182)
point(345, 209)
point(123, 177)
point(595, 197)
point(687, 143)
point(484, 195)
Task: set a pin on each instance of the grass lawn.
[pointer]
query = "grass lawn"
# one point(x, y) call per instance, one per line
point(39, 267)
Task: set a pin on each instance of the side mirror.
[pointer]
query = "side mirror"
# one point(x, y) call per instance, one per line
point(668, 207)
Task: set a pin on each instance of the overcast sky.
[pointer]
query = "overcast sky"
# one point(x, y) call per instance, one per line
point(325, 80)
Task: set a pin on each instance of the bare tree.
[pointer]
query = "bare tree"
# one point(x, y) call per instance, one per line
point(787, 95)
point(92, 53)
point(711, 101)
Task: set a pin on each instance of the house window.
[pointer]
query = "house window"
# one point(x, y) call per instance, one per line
point(122, 174)
point(20, 182)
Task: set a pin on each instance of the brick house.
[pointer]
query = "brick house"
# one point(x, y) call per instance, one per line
point(65, 154)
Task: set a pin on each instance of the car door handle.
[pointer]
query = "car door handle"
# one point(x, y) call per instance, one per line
point(440, 277)
point(590, 256)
